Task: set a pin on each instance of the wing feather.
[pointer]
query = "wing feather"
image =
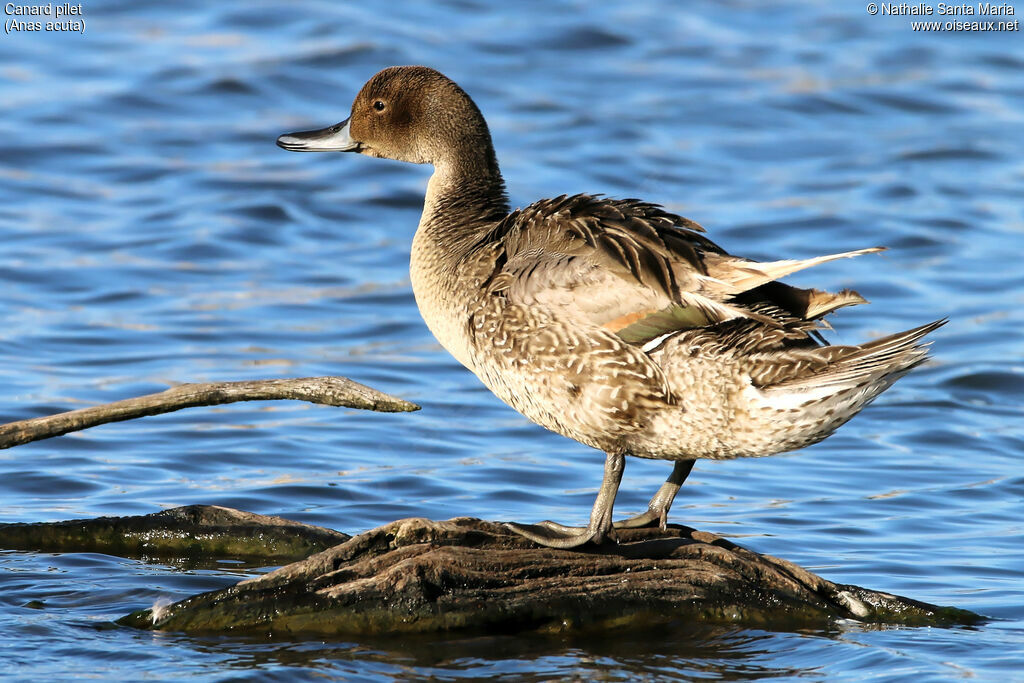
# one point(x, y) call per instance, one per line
point(641, 272)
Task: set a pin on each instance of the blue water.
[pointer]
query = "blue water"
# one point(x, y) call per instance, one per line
point(151, 233)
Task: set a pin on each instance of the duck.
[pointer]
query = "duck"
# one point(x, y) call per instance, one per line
point(613, 322)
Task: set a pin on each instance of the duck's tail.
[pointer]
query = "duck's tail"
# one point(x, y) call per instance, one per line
point(826, 386)
point(886, 359)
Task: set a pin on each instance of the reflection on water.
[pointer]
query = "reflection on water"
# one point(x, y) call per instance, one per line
point(151, 233)
point(698, 651)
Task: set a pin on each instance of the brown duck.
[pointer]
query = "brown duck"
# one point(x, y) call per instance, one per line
point(610, 321)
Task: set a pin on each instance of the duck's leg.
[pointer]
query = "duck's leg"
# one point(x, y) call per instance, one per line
point(657, 509)
point(555, 535)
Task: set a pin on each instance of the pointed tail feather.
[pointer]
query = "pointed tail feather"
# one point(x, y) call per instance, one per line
point(882, 361)
point(833, 383)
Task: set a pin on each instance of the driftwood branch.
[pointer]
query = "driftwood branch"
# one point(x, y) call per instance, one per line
point(417, 576)
point(196, 535)
point(332, 391)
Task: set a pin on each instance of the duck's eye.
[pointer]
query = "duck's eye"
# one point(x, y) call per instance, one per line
point(378, 105)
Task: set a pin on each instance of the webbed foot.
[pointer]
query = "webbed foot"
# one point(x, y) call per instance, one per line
point(554, 535)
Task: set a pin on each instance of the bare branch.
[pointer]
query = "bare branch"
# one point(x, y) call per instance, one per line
point(331, 391)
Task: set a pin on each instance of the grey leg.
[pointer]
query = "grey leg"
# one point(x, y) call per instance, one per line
point(657, 509)
point(555, 535)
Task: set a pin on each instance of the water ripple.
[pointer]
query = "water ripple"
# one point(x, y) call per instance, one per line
point(152, 234)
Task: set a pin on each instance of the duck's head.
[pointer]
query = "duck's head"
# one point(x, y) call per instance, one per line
point(408, 113)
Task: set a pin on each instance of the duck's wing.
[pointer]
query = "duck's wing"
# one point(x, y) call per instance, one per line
point(640, 271)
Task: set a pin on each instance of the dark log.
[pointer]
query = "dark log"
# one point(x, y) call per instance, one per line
point(194, 534)
point(332, 391)
point(415, 576)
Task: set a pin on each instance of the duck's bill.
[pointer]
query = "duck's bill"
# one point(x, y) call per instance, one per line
point(334, 138)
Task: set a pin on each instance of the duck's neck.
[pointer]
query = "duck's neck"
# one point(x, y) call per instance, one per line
point(463, 203)
point(465, 198)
